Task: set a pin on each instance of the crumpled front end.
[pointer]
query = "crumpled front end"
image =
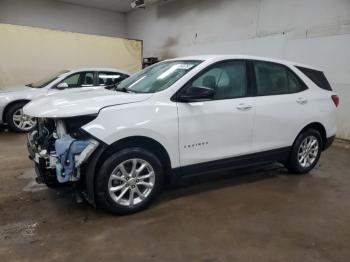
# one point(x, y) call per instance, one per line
point(61, 149)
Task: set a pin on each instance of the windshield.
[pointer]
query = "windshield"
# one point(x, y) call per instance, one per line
point(157, 77)
point(47, 80)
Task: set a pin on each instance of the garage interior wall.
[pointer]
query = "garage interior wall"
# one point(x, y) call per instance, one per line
point(314, 32)
point(62, 16)
point(54, 50)
point(29, 53)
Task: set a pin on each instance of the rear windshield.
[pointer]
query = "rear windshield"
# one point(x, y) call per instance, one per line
point(317, 77)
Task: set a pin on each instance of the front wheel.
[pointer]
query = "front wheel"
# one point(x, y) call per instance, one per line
point(129, 180)
point(305, 153)
point(17, 121)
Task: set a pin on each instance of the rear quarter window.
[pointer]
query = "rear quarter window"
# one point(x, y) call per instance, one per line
point(317, 77)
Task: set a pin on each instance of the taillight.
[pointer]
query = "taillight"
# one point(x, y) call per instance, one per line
point(335, 99)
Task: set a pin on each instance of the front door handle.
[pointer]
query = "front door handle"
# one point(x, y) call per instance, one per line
point(302, 100)
point(244, 107)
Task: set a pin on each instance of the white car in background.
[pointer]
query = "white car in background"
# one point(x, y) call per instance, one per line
point(12, 99)
point(181, 118)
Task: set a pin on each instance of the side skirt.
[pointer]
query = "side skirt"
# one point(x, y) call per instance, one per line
point(276, 155)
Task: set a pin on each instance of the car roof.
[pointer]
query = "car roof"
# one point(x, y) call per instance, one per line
point(247, 57)
point(73, 70)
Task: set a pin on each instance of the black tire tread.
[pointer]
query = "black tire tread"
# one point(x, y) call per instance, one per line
point(292, 164)
point(102, 196)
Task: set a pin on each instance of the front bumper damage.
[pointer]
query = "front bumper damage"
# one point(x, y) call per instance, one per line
point(70, 155)
point(59, 157)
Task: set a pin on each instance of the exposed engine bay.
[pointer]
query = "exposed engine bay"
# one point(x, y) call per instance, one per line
point(60, 148)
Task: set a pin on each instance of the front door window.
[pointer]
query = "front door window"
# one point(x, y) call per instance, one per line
point(77, 80)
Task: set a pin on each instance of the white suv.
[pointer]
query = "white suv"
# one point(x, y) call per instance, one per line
point(180, 118)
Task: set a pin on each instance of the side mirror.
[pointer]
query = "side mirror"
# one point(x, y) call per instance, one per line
point(196, 94)
point(62, 86)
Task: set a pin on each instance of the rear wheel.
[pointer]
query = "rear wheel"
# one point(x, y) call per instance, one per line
point(17, 121)
point(306, 152)
point(129, 180)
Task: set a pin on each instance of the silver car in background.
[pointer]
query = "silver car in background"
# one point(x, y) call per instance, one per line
point(13, 98)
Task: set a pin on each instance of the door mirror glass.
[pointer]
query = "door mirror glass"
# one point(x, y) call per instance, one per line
point(197, 94)
point(62, 86)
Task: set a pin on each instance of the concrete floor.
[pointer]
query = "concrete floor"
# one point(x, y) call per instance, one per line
point(263, 215)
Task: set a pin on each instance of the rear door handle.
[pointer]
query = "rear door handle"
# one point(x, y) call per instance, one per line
point(244, 107)
point(302, 100)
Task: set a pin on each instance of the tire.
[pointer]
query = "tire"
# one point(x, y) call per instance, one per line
point(129, 182)
point(306, 152)
point(13, 125)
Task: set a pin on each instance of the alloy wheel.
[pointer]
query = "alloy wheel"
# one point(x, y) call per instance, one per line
point(131, 182)
point(23, 122)
point(308, 151)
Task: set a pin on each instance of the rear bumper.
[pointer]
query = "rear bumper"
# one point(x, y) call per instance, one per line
point(329, 142)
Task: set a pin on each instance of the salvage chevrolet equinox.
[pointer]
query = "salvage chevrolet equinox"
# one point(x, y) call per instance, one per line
point(179, 118)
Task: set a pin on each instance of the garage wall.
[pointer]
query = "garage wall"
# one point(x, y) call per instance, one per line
point(29, 54)
point(315, 32)
point(63, 16)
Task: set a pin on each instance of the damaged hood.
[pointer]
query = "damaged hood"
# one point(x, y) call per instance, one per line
point(79, 103)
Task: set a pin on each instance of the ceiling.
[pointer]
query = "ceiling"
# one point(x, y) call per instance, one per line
point(112, 5)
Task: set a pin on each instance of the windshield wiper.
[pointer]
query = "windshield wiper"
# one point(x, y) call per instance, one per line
point(30, 85)
point(124, 90)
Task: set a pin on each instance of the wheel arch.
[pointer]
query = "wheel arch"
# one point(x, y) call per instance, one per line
point(320, 128)
point(105, 151)
point(9, 105)
point(139, 141)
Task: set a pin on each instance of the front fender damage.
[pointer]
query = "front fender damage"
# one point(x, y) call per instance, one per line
point(62, 153)
point(71, 154)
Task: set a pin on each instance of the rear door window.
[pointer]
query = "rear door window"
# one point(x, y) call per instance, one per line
point(110, 78)
point(275, 79)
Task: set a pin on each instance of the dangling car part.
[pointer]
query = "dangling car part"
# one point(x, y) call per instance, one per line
point(60, 156)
